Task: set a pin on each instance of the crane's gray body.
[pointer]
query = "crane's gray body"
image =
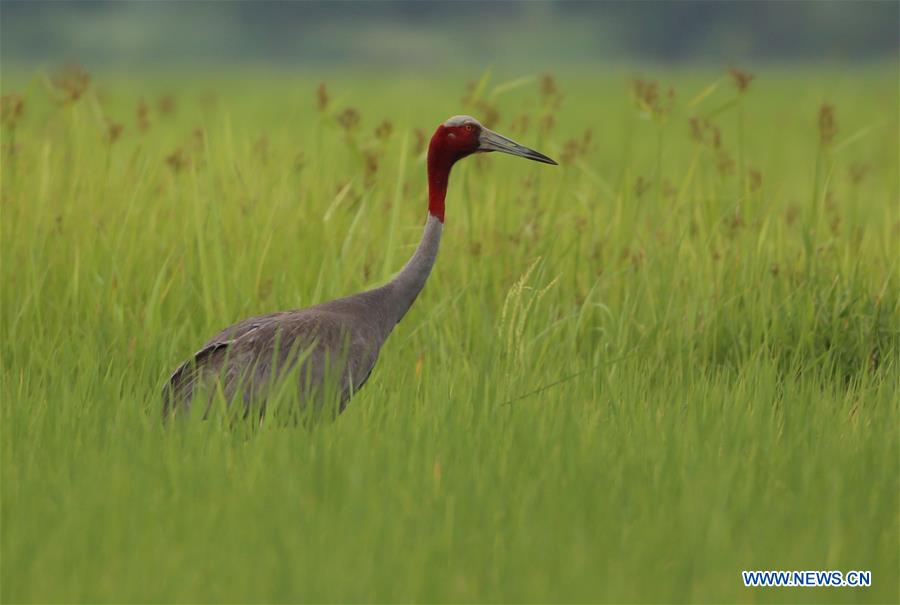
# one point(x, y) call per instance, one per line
point(338, 340)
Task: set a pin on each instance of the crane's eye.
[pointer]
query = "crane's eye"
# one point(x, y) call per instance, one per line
point(469, 128)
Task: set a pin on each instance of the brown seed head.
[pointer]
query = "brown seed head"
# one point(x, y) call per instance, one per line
point(641, 186)
point(421, 140)
point(578, 146)
point(490, 115)
point(520, 124)
point(370, 168)
point(12, 108)
point(199, 136)
point(835, 225)
point(384, 130)
point(547, 124)
point(792, 213)
point(724, 163)
point(741, 79)
point(755, 179)
point(716, 137)
point(645, 93)
point(571, 150)
point(322, 97)
point(647, 97)
point(551, 96)
point(261, 149)
point(113, 131)
point(704, 131)
point(735, 222)
point(587, 137)
point(177, 160)
point(669, 190)
point(857, 173)
point(469, 97)
point(548, 85)
point(166, 104)
point(827, 124)
point(349, 119)
point(142, 113)
point(71, 81)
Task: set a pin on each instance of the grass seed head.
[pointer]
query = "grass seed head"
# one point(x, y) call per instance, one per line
point(551, 97)
point(468, 97)
point(261, 149)
point(71, 82)
point(178, 160)
point(645, 93)
point(669, 190)
point(724, 163)
point(857, 172)
point(547, 124)
point(648, 99)
point(421, 141)
point(641, 186)
point(142, 116)
point(370, 167)
point(383, 131)
point(835, 225)
point(520, 124)
point(792, 214)
point(705, 132)
point(349, 119)
point(716, 141)
point(577, 146)
point(696, 129)
point(571, 150)
point(755, 179)
point(199, 138)
point(490, 115)
point(548, 85)
point(113, 131)
point(828, 128)
point(322, 97)
point(12, 108)
point(165, 105)
point(741, 79)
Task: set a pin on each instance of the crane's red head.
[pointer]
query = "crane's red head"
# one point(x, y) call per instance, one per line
point(458, 137)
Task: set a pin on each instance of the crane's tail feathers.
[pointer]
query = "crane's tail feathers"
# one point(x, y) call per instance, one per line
point(179, 389)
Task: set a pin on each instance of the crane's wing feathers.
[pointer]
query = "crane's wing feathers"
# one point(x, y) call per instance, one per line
point(335, 339)
point(179, 389)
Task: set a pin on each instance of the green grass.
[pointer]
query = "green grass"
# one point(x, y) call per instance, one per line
point(629, 378)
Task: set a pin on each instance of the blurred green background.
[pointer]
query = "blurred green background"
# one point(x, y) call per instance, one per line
point(430, 35)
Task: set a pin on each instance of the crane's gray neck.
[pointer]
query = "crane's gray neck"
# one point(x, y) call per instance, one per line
point(405, 287)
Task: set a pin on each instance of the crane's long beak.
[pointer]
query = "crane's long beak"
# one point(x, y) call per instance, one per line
point(489, 140)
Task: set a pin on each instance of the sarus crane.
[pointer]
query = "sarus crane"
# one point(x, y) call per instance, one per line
point(338, 340)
